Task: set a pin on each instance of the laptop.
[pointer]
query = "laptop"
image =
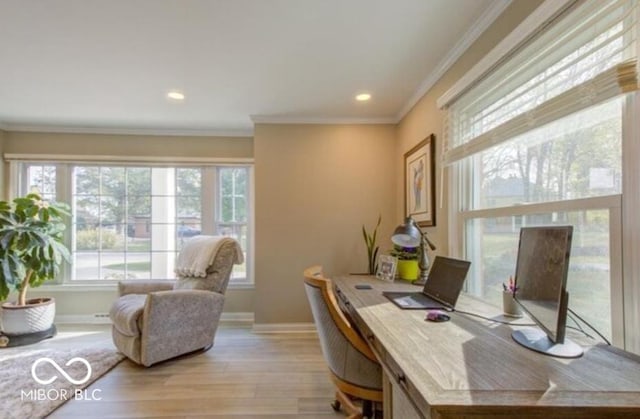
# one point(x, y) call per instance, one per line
point(441, 290)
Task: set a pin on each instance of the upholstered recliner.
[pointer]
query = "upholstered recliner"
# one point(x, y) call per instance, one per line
point(353, 367)
point(157, 320)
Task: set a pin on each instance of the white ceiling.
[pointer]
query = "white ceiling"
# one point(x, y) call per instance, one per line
point(106, 65)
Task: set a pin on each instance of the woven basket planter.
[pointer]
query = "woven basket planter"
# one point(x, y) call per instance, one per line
point(36, 316)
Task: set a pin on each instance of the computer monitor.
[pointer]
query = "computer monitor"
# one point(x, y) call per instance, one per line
point(541, 279)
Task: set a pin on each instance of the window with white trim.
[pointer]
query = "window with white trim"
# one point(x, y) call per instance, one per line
point(538, 140)
point(130, 221)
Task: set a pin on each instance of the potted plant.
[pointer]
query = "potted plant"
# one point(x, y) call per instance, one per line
point(407, 262)
point(31, 252)
point(372, 248)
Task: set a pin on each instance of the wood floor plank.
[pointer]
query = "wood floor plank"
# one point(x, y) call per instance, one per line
point(219, 377)
point(150, 393)
point(245, 375)
point(316, 405)
point(297, 390)
point(178, 407)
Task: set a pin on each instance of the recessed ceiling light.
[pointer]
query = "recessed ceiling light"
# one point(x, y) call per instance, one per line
point(175, 95)
point(363, 97)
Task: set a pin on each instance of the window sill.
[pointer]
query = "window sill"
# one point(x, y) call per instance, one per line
point(114, 287)
point(76, 287)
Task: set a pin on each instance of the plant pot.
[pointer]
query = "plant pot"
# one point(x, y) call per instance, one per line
point(36, 316)
point(408, 270)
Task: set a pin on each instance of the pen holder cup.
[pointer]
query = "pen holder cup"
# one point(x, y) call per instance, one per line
point(509, 305)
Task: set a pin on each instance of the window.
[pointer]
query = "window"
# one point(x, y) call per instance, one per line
point(575, 157)
point(41, 178)
point(130, 222)
point(232, 210)
point(538, 140)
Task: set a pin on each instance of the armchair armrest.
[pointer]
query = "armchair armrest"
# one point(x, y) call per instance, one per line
point(143, 287)
point(178, 322)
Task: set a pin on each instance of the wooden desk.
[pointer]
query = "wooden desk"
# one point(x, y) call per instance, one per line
point(471, 368)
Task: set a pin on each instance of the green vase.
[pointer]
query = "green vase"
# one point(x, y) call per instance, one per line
point(408, 270)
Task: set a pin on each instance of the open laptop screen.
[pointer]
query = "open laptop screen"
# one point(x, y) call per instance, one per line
point(446, 279)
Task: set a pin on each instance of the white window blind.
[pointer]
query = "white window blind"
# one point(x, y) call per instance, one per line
point(585, 57)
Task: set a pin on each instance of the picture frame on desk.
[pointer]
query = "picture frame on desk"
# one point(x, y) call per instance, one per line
point(386, 268)
point(419, 180)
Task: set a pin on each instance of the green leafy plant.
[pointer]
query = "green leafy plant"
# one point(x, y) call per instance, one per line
point(405, 253)
point(31, 244)
point(372, 249)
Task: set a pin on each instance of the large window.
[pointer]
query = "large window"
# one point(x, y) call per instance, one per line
point(538, 140)
point(130, 221)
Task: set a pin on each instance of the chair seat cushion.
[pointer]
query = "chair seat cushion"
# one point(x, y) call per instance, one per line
point(126, 314)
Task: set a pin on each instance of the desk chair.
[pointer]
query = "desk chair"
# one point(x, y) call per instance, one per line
point(353, 367)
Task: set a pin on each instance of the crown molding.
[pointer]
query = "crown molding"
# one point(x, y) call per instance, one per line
point(128, 131)
point(266, 119)
point(474, 32)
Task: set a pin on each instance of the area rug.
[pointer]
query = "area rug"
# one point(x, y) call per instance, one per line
point(35, 382)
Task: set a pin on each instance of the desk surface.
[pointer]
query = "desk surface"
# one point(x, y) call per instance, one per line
point(470, 366)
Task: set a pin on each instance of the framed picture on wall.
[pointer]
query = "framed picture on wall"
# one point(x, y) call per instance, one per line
point(419, 180)
point(386, 268)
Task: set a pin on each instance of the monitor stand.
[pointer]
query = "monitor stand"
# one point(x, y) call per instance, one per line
point(537, 340)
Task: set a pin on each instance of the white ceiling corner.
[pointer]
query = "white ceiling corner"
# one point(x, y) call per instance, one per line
point(474, 32)
point(102, 68)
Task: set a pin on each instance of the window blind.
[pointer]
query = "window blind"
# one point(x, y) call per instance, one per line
point(586, 56)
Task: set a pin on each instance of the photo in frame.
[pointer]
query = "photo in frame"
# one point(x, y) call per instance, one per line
point(386, 268)
point(419, 179)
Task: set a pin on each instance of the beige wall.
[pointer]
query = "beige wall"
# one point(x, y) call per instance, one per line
point(127, 145)
point(85, 302)
point(425, 117)
point(77, 303)
point(315, 187)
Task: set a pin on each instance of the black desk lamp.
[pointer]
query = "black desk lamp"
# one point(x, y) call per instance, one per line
point(410, 235)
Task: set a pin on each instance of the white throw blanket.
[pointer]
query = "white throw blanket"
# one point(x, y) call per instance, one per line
point(198, 254)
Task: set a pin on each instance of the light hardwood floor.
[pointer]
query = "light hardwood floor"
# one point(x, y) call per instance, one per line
point(245, 375)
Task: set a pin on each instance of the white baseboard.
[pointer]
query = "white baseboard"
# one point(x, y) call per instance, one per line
point(284, 327)
point(233, 318)
point(237, 318)
point(103, 318)
point(82, 319)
